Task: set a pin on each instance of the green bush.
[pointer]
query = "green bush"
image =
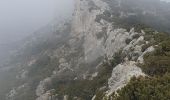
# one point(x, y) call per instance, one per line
point(158, 62)
point(145, 88)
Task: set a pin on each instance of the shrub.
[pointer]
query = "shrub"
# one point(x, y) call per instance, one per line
point(128, 41)
point(145, 88)
point(86, 89)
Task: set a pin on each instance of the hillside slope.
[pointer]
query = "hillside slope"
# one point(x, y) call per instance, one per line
point(91, 56)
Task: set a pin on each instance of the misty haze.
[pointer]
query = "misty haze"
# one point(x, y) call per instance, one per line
point(84, 50)
point(20, 18)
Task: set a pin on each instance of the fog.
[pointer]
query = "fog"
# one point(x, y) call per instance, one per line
point(166, 0)
point(19, 18)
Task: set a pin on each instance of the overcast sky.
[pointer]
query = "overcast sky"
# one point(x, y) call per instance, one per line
point(166, 0)
point(22, 17)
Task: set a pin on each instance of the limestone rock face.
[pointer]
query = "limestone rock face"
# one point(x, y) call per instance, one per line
point(80, 46)
point(49, 95)
point(15, 91)
point(88, 43)
point(99, 38)
point(150, 49)
point(41, 87)
point(133, 55)
point(122, 74)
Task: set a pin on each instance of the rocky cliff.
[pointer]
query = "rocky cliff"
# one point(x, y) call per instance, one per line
point(60, 64)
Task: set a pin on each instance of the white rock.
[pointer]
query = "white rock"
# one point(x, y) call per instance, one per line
point(150, 49)
point(122, 74)
point(11, 94)
point(42, 86)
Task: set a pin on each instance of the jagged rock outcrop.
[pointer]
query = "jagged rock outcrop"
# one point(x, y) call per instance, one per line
point(41, 87)
point(76, 49)
point(150, 49)
point(133, 56)
point(89, 39)
point(122, 74)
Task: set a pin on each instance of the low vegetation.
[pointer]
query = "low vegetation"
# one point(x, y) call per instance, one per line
point(156, 86)
point(85, 89)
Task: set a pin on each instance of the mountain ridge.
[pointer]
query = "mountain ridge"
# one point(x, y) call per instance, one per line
point(102, 45)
